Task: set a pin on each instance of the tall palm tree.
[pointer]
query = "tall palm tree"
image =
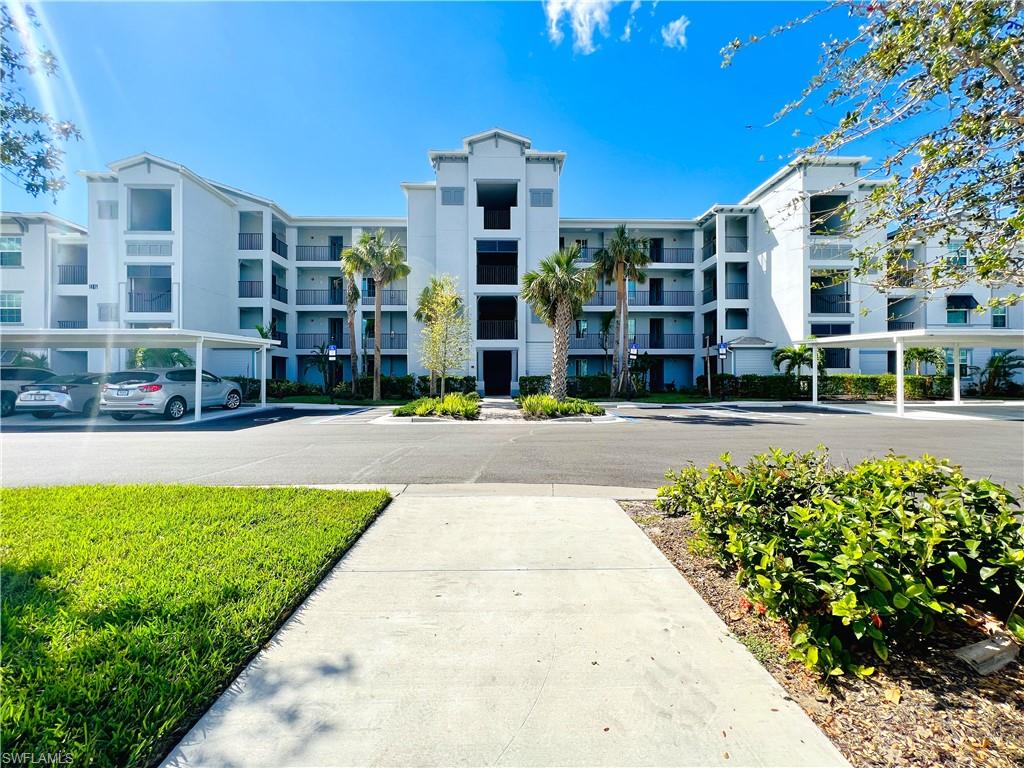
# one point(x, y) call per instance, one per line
point(437, 285)
point(786, 359)
point(350, 271)
point(918, 356)
point(556, 291)
point(383, 260)
point(621, 260)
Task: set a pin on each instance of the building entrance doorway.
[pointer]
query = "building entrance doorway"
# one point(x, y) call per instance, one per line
point(497, 372)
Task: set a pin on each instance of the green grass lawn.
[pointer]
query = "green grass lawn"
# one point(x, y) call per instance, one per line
point(127, 609)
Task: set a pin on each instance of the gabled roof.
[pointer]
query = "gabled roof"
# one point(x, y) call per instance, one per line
point(803, 161)
point(44, 217)
point(496, 132)
point(146, 157)
point(437, 155)
point(750, 341)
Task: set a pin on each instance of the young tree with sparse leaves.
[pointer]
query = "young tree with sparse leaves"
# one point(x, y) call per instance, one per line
point(446, 335)
point(426, 304)
point(948, 77)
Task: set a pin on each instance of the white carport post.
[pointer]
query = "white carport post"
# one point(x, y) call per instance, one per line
point(956, 374)
point(199, 379)
point(814, 375)
point(108, 360)
point(899, 376)
point(263, 376)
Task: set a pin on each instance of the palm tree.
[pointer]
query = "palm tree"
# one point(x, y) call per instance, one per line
point(424, 303)
point(161, 358)
point(998, 373)
point(30, 359)
point(384, 261)
point(350, 270)
point(622, 260)
point(918, 356)
point(607, 323)
point(786, 359)
point(556, 291)
point(321, 361)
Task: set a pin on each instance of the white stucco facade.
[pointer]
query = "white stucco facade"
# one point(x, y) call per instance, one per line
point(165, 247)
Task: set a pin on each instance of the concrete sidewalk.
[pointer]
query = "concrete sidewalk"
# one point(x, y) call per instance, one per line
point(497, 630)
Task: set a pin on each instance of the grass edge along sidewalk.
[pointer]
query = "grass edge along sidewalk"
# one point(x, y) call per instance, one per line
point(126, 610)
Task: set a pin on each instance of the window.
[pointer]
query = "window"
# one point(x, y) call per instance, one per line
point(106, 209)
point(542, 198)
point(369, 288)
point(107, 312)
point(453, 195)
point(149, 210)
point(582, 243)
point(10, 307)
point(828, 214)
point(578, 367)
point(956, 256)
point(830, 329)
point(958, 309)
point(10, 251)
point(998, 317)
point(736, 319)
point(966, 356)
point(581, 329)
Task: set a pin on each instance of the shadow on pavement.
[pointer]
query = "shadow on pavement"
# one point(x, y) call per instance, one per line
point(147, 423)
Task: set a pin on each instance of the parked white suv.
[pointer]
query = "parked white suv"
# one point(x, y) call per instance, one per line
point(169, 392)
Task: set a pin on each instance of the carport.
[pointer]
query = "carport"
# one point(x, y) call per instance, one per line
point(945, 338)
point(163, 338)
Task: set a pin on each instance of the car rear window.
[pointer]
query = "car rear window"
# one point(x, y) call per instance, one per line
point(24, 374)
point(186, 374)
point(131, 377)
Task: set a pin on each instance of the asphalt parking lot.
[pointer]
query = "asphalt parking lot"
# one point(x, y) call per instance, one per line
point(285, 445)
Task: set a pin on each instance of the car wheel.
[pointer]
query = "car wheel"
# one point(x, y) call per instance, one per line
point(7, 404)
point(90, 409)
point(43, 414)
point(234, 400)
point(175, 409)
point(118, 416)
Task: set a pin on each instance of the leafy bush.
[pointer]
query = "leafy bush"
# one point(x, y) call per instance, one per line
point(857, 386)
point(534, 385)
point(852, 559)
point(596, 385)
point(546, 407)
point(455, 405)
point(464, 384)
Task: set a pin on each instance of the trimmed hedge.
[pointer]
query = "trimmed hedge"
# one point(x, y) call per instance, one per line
point(854, 386)
point(854, 558)
point(596, 385)
point(546, 407)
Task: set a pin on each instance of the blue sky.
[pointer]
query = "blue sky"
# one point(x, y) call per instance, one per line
point(327, 107)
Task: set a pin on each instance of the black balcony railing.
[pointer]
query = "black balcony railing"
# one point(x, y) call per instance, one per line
point(708, 295)
point(72, 324)
point(250, 289)
point(708, 250)
point(71, 274)
point(250, 241)
point(390, 340)
point(392, 296)
point(737, 291)
point(281, 336)
point(661, 298)
point(279, 293)
point(601, 299)
point(497, 218)
point(317, 339)
point(316, 253)
point(836, 358)
point(673, 256)
point(331, 296)
point(278, 246)
point(830, 303)
point(735, 243)
point(643, 341)
point(497, 275)
point(900, 325)
point(593, 341)
point(588, 252)
point(149, 301)
point(496, 329)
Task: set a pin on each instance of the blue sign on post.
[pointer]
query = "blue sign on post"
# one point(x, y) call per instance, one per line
point(723, 349)
point(633, 349)
point(332, 351)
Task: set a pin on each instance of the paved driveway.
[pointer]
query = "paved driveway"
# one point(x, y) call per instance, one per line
point(503, 631)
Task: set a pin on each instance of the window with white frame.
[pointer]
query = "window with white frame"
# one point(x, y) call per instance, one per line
point(581, 328)
point(578, 367)
point(958, 309)
point(998, 317)
point(106, 312)
point(542, 198)
point(10, 251)
point(956, 256)
point(10, 307)
point(106, 209)
point(966, 357)
point(453, 195)
point(149, 209)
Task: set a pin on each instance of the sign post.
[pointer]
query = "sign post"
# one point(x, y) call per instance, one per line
point(332, 357)
point(723, 351)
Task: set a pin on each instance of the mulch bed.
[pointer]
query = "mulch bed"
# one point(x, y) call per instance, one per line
point(924, 707)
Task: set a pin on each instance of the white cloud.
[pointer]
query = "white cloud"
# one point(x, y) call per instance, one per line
point(673, 34)
point(634, 7)
point(627, 32)
point(585, 16)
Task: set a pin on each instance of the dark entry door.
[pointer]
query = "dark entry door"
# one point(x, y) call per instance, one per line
point(657, 291)
point(657, 374)
point(657, 337)
point(337, 246)
point(497, 372)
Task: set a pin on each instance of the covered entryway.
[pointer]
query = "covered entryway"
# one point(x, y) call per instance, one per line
point(497, 372)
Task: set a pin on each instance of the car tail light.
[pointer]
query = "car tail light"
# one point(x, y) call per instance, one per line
point(150, 388)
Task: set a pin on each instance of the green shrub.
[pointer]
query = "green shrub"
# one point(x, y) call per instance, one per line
point(456, 405)
point(464, 384)
point(546, 407)
point(593, 386)
point(854, 386)
point(852, 559)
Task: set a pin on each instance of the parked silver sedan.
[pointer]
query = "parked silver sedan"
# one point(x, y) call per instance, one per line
point(169, 392)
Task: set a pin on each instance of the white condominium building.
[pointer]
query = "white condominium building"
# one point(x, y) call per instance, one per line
point(166, 247)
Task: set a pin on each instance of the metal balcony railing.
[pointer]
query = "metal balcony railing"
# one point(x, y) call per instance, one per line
point(737, 291)
point(496, 329)
point(900, 325)
point(646, 341)
point(72, 274)
point(279, 293)
point(588, 252)
point(709, 295)
point(592, 341)
point(601, 299)
point(316, 253)
point(735, 243)
point(836, 358)
point(497, 218)
point(392, 296)
point(497, 275)
point(149, 301)
point(278, 246)
point(708, 250)
point(673, 256)
point(281, 336)
point(72, 324)
point(328, 296)
point(389, 340)
point(250, 241)
point(320, 338)
point(250, 289)
point(830, 303)
point(661, 298)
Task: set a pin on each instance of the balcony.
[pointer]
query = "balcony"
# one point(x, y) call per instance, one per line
point(709, 295)
point(593, 341)
point(279, 293)
point(318, 339)
point(325, 296)
point(836, 358)
point(589, 252)
point(390, 296)
point(63, 324)
point(735, 243)
point(72, 274)
point(250, 241)
point(830, 304)
point(314, 253)
point(737, 291)
point(708, 250)
point(673, 256)
point(388, 341)
point(496, 329)
point(643, 341)
point(601, 299)
point(661, 298)
point(149, 301)
point(281, 336)
point(497, 218)
point(497, 275)
point(250, 289)
point(278, 246)
point(900, 325)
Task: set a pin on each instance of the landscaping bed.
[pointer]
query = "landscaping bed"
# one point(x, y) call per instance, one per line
point(547, 407)
point(126, 610)
point(454, 406)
